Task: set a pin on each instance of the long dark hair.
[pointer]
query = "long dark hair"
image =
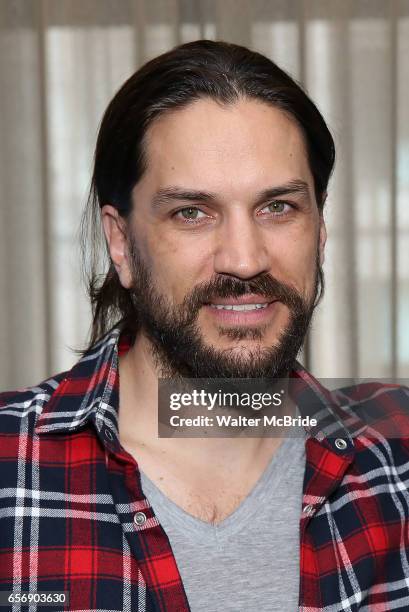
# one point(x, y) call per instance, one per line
point(204, 68)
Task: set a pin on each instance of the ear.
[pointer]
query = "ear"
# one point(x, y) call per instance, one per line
point(322, 230)
point(115, 234)
point(322, 239)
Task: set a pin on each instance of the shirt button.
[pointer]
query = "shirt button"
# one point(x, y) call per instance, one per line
point(139, 518)
point(340, 444)
point(308, 509)
point(109, 434)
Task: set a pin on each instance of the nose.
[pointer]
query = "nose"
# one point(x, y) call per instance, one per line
point(241, 250)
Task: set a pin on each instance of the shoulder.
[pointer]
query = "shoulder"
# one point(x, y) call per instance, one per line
point(383, 411)
point(26, 404)
point(375, 402)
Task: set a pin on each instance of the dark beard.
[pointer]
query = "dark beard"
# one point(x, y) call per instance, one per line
point(178, 347)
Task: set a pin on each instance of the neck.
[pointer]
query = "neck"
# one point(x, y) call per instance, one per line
point(138, 423)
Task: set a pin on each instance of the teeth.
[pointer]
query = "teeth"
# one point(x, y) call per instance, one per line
point(238, 307)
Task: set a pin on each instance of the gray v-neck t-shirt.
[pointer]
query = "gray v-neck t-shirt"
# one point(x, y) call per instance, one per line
point(249, 561)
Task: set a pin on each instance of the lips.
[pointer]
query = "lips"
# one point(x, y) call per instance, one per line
point(241, 300)
point(242, 311)
point(239, 307)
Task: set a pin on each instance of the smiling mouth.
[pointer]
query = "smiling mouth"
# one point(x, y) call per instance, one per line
point(244, 310)
point(240, 307)
point(242, 303)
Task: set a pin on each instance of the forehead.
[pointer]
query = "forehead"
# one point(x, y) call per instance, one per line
point(216, 146)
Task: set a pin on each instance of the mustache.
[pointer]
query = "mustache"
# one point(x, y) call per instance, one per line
point(264, 285)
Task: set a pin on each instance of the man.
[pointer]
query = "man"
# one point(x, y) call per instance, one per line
point(210, 178)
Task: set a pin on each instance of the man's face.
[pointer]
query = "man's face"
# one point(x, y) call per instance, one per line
point(225, 240)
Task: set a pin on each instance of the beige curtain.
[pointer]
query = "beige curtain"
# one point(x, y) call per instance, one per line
point(60, 63)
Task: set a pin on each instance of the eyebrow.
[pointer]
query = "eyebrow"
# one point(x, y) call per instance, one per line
point(167, 195)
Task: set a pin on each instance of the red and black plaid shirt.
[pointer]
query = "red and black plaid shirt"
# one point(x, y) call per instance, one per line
point(73, 516)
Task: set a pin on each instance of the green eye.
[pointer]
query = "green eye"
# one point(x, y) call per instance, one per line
point(189, 213)
point(276, 207)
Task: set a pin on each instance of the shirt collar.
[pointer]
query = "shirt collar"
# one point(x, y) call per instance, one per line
point(90, 393)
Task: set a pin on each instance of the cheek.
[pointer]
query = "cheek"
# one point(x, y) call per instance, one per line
point(176, 267)
point(295, 261)
point(308, 269)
